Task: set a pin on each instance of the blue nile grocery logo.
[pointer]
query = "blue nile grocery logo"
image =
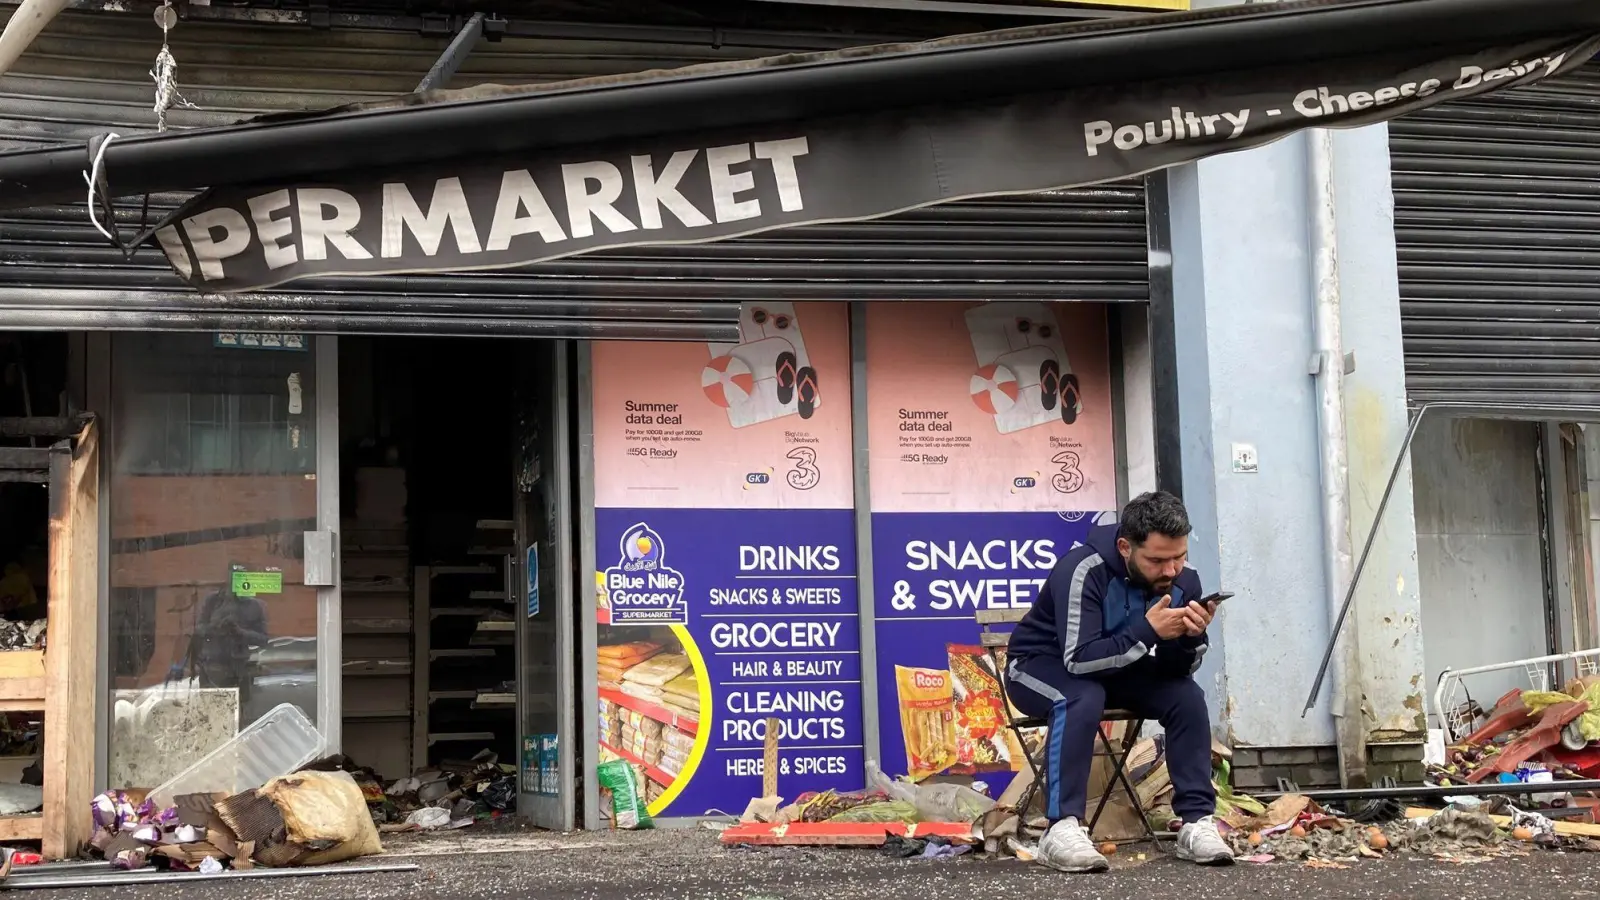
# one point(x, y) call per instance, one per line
point(641, 587)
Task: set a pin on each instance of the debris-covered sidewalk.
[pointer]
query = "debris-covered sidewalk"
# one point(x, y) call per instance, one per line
point(669, 865)
point(261, 807)
point(1510, 795)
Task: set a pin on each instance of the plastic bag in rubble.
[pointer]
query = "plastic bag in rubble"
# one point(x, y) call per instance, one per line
point(1537, 825)
point(429, 818)
point(501, 794)
point(627, 802)
point(325, 811)
point(933, 802)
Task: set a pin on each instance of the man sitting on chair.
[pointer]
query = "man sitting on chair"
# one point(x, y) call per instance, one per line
point(1116, 626)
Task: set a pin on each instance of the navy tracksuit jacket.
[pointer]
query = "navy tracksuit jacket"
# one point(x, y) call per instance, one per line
point(1086, 647)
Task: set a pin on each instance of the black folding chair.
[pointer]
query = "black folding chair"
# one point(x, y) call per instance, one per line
point(996, 642)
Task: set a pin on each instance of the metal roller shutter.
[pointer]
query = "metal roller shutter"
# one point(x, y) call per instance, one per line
point(1068, 245)
point(1497, 222)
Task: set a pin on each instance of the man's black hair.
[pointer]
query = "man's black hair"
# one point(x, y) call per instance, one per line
point(1157, 511)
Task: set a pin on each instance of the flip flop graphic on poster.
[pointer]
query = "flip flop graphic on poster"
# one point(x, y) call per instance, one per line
point(768, 374)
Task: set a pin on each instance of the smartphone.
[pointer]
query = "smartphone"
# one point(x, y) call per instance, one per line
point(1218, 597)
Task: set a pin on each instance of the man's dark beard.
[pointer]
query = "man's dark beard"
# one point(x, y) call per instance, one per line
point(1143, 583)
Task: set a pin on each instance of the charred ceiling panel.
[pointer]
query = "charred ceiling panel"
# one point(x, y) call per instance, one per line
point(89, 73)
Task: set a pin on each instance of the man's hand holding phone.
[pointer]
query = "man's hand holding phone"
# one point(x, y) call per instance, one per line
point(1190, 620)
point(1198, 616)
point(1168, 622)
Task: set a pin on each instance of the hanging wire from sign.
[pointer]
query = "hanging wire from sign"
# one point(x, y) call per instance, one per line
point(165, 72)
point(94, 177)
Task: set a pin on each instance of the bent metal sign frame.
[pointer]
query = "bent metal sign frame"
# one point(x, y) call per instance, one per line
point(506, 212)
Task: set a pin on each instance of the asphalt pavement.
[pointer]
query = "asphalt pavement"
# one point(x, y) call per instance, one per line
point(691, 865)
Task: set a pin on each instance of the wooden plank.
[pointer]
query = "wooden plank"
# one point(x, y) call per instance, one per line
point(1571, 829)
point(769, 761)
point(37, 458)
point(44, 426)
point(22, 679)
point(994, 639)
point(16, 664)
point(1000, 616)
point(21, 828)
point(70, 657)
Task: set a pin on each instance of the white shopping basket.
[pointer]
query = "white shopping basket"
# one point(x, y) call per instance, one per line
point(1452, 701)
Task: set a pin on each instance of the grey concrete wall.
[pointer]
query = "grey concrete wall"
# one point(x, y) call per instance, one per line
point(1386, 617)
point(1243, 291)
point(1242, 288)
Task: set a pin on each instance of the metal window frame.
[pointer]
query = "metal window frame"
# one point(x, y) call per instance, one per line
point(566, 584)
point(866, 601)
point(1163, 336)
point(330, 600)
point(98, 395)
point(588, 620)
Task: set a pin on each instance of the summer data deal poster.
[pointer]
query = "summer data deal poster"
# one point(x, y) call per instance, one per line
point(990, 437)
point(726, 563)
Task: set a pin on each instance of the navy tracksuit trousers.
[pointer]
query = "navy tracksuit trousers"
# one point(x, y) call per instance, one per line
point(1041, 687)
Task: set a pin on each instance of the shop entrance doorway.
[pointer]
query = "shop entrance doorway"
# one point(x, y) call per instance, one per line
point(455, 572)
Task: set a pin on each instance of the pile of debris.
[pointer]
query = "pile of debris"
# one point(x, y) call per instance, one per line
point(307, 818)
point(1533, 737)
point(907, 819)
point(938, 821)
point(22, 634)
point(450, 795)
point(1296, 829)
point(327, 811)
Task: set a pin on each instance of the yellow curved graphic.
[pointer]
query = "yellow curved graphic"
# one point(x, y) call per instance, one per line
point(702, 735)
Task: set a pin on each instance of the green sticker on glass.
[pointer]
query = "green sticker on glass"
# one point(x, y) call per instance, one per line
point(249, 584)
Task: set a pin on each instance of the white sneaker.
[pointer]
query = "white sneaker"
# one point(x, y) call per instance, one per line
point(1066, 847)
point(1200, 842)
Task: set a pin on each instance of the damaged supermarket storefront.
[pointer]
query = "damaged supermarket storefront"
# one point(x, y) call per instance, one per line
point(825, 370)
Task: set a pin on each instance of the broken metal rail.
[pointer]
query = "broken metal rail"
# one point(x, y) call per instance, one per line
point(1437, 792)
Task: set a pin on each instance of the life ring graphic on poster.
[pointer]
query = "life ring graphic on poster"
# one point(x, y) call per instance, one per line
point(763, 420)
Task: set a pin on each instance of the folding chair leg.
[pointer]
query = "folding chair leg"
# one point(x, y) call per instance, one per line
point(1026, 801)
point(1022, 740)
point(1119, 775)
point(1138, 808)
point(1116, 771)
point(1039, 775)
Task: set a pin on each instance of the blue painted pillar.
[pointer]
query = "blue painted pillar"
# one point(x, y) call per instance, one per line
point(1243, 300)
